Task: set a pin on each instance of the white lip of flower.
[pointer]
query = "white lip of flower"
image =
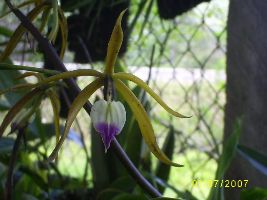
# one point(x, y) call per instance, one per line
point(108, 118)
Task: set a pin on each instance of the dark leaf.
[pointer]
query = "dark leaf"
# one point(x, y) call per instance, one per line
point(163, 170)
point(6, 145)
point(36, 178)
point(254, 193)
point(228, 154)
point(257, 159)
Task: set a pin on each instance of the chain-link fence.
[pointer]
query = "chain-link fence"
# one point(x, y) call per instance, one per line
point(187, 60)
point(183, 60)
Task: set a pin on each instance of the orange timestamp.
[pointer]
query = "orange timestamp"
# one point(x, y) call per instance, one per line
point(220, 183)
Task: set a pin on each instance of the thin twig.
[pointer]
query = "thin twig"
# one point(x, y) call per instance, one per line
point(12, 161)
point(54, 58)
point(139, 178)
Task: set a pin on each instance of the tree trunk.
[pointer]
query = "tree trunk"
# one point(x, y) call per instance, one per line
point(247, 86)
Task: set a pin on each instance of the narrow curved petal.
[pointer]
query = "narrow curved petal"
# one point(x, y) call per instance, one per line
point(64, 33)
point(56, 108)
point(108, 119)
point(114, 45)
point(69, 74)
point(143, 121)
point(22, 86)
point(28, 74)
point(15, 38)
point(142, 84)
point(75, 107)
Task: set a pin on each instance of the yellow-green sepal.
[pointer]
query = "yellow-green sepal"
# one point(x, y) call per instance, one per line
point(18, 87)
point(114, 45)
point(143, 121)
point(69, 74)
point(142, 84)
point(75, 107)
point(15, 38)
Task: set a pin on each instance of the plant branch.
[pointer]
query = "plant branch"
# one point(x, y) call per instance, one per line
point(55, 60)
point(12, 161)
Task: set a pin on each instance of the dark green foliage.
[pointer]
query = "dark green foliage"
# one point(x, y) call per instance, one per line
point(228, 153)
point(100, 164)
point(254, 193)
point(9, 79)
point(257, 159)
point(163, 171)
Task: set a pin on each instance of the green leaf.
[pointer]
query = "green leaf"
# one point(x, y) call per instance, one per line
point(257, 159)
point(255, 193)
point(225, 160)
point(162, 170)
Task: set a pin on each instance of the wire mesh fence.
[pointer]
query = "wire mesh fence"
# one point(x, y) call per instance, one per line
point(188, 72)
point(183, 60)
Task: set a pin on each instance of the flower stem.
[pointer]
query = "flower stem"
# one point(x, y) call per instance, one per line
point(12, 161)
point(133, 171)
point(55, 60)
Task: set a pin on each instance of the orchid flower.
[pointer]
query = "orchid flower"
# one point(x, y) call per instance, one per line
point(108, 117)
